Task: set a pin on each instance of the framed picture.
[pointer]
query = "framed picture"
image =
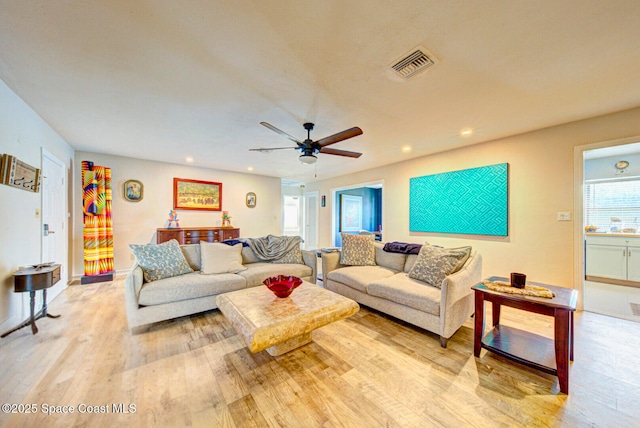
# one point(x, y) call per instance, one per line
point(251, 200)
point(133, 190)
point(197, 195)
point(350, 213)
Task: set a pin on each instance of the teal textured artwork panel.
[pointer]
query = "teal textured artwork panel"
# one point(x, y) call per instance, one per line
point(471, 201)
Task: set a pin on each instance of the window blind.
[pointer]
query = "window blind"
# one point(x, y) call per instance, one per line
point(616, 198)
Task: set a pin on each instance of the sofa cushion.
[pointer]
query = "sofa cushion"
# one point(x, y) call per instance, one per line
point(159, 261)
point(258, 272)
point(191, 253)
point(221, 258)
point(357, 277)
point(411, 260)
point(435, 263)
point(393, 261)
point(402, 289)
point(188, 286)
point(249, 256)
point(358, 250)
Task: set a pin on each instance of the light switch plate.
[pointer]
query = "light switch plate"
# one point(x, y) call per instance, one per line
point(564, 216)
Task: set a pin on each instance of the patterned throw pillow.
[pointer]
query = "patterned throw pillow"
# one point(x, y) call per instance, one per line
point(435, 263)
point(293, 256)
point(358, 250)
point(159, 261)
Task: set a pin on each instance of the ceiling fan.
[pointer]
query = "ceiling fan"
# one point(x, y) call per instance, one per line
point(309, 148)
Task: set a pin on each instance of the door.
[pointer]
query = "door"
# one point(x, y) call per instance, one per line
point(54, 218)
point(311, 221)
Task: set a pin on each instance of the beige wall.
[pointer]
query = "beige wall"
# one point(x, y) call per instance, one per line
point(541, 183)
point(136, 222)
point(23, 134)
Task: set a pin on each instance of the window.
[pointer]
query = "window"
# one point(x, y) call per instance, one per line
point(291, 215)
point(612, 203)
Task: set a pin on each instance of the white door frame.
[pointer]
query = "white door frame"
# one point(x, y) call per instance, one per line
point(307, 211)
point(578, 209)
point(62, 232)
point(335, 219)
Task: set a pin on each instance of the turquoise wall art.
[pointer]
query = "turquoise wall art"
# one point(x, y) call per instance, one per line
point(470, 201)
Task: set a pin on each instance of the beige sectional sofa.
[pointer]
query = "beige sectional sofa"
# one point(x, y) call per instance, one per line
point(194, 292)
point(388, 288)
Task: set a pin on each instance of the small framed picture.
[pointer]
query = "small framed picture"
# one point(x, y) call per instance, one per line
point(133, 190)
point(251, 200)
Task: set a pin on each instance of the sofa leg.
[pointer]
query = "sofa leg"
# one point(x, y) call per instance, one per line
point(443, 341)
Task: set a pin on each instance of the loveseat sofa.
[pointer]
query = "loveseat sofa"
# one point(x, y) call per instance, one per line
point(193, 292)
point(386, 286)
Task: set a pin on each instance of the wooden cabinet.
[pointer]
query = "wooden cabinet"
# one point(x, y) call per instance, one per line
point(633, 260)
point(193, 235)
point(614, 258)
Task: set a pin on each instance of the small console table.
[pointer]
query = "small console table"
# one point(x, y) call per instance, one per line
point(550, 356)
point(33, 279)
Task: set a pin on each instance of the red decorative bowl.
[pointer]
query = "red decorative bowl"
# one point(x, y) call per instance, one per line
point(282, 285)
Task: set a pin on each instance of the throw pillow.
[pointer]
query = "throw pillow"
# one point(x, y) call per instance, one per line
point(292, 256)
point(220, 258)
point(159, 261)
point(358, 250)
point(435, 263)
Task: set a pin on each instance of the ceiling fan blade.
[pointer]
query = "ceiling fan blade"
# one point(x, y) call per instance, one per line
point(280, 131)
point(340, 136)
point(268, 149)
point(328, 151)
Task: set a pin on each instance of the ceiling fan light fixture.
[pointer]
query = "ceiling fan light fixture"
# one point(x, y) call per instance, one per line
point(308, 158)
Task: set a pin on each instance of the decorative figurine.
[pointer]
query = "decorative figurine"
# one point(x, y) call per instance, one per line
point(173, 218)
point(226, 219)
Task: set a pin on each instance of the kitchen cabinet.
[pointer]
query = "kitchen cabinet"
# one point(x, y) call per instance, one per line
point(610, 257)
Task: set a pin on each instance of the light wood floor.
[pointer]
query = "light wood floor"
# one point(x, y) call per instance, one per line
point(368, 370)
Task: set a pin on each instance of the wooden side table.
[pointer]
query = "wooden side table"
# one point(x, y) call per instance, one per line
point(550, 356)
point(33, 279)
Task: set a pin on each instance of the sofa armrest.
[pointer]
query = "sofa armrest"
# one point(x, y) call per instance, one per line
point(458, 285)
point(132, 286)
point(310, 259)
point(330, 261)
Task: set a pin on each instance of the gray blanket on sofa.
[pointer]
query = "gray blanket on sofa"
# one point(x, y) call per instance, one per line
point(272, 247)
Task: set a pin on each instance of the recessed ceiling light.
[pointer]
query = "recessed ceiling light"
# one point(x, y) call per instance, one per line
point(406, 149)
point(466, 132)
point(250, 169)
point(189, 159)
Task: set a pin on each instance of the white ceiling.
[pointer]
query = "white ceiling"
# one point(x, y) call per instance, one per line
point(164, 80)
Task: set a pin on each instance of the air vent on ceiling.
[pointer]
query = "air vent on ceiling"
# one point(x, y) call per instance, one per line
point(413, 63)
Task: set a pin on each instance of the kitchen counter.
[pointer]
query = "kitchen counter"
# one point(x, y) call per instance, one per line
point(613, 235)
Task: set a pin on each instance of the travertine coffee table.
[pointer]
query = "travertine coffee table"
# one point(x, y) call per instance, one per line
point(280, 325)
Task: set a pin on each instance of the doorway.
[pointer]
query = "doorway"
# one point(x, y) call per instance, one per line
point(311, 220)
point(365, 202)
point(600, 200)
point(54, 218)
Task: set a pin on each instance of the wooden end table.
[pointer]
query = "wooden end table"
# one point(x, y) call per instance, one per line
point(33, 279)
point(532, 350)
